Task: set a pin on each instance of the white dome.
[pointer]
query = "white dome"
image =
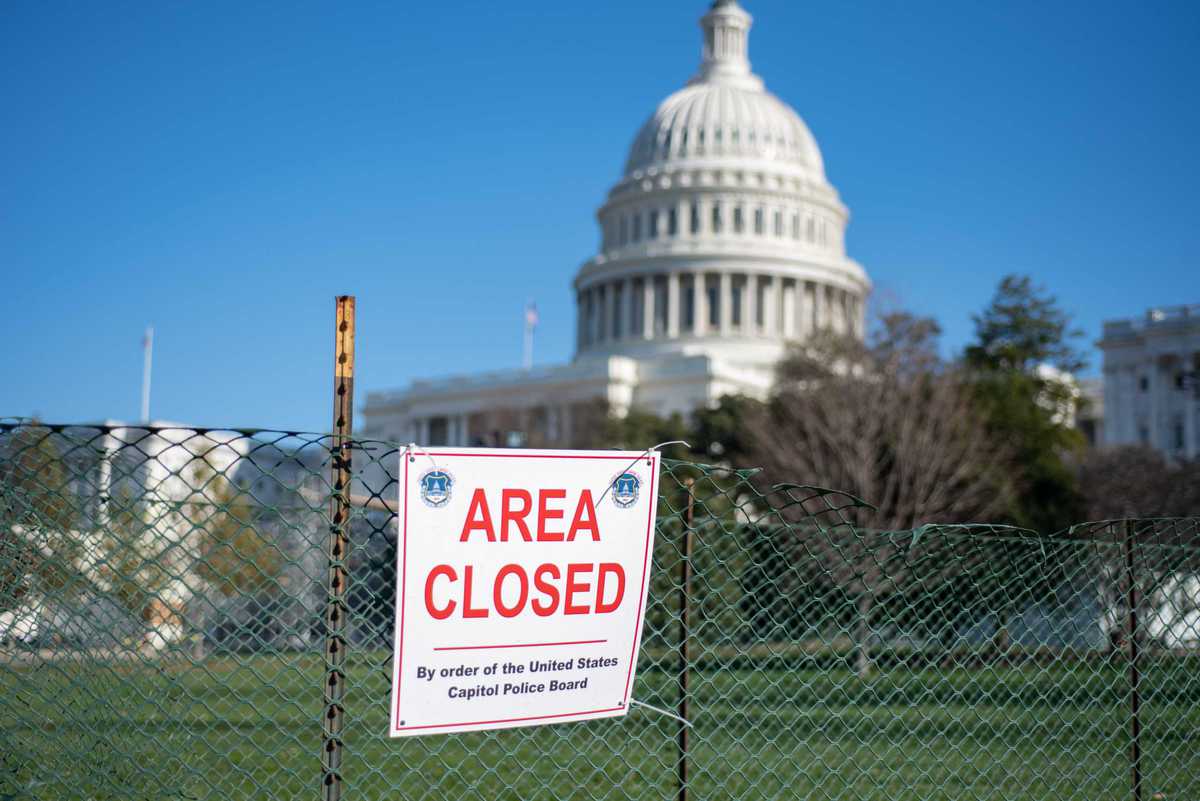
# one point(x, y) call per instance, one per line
point(722, 238)
point(714, 121)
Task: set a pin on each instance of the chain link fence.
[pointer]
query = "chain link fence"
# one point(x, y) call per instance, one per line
point(164, 623)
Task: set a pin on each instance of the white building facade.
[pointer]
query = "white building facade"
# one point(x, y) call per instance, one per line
point(721, 244)
point(1152, 381)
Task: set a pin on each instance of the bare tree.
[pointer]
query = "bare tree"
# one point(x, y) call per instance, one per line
point(890, 422)
point(1136, 481)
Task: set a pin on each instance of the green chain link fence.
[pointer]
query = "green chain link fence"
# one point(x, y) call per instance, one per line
point(163, 623)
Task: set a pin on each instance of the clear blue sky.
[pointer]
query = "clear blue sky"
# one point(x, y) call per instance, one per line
point(221, 170)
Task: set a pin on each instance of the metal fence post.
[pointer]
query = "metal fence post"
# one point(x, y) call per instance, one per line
point(339, 541)
point(1135, 700)
point(685, 602)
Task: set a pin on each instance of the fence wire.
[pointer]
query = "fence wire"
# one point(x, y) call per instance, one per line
point(162, 599)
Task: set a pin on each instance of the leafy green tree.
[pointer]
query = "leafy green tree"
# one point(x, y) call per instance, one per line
point(1021, 333)
point(1023, 327)
point(39, 548)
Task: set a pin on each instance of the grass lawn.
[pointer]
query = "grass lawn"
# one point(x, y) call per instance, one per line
point(249, 727)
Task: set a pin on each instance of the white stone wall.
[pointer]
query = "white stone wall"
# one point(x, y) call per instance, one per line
point(1151, 368)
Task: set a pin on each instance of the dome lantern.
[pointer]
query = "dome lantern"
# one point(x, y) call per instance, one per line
point(725, 54)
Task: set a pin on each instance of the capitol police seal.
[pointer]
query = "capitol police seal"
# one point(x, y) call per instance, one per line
point(626, 488)
point(436, 486)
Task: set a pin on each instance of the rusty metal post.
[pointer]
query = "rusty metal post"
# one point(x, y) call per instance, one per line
point(339, 543)
point(1135, 698)
point(685, 661)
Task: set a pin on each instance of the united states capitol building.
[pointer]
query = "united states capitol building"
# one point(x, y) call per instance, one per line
point(721, 243)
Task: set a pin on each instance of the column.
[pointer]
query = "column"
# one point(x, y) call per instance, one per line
point(423, 431)
point(673, 306)
point(699, 304)
point(726, 299)
point(789, 289)
point(769, 305)
point(820, 321)
point(464, 430)
point(593, 323)
point(580, 320)
point(1190, 447)
point(627, 308)
point(1156, 393)
point(647, 307)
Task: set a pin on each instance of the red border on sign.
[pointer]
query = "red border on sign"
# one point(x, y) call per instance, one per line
point(397, 672)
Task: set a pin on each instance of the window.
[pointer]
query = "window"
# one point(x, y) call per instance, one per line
point(795, 226)
point(637, 227)
point(716, 218)
point(1144, 384)
point(778, 223)
point(1144, 435)
point(653, 232)
point(688, 292)
point(1180, 441)
point(714, 304)
point(638, 324)
point(695, 221)
point(624, 235)
point(618, 293)
point(439, 431)
point(735, 292)
point(760, 302)
point(601, 293)
point(660, 305)
point(759, 223)
point(672, 222)
point(738, 222)
point(810, 232)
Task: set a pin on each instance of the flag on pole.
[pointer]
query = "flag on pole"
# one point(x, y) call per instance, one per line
point(531, 315)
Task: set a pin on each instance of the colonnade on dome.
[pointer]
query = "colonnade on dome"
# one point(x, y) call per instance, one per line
point(699, 303)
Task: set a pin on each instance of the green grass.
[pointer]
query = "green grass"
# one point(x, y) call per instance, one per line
point(249, 727)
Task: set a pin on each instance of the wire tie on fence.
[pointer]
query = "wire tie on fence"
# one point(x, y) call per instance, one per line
point(684, 721)
point(916, 536)
point(639, 457)
point(412, 446)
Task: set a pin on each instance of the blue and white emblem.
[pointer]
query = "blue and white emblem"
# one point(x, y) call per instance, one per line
point(625, 489)
point(435, 488)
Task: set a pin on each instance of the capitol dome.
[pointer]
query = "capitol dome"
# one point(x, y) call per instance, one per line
point(715, 121)
point(723, 236)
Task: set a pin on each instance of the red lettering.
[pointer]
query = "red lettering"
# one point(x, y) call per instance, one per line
point(479, 518)
point(546, 609)
point(448, 609)
point(546, 513)
point(585, 518)
point(574, 587)
point(467, 582)
point(615, 569)
point(498, 586)
point(510, 515)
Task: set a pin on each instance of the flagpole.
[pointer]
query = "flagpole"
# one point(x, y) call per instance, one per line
point(147, 366)
point(531, 321)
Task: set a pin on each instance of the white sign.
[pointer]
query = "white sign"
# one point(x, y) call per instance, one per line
point(521, 586)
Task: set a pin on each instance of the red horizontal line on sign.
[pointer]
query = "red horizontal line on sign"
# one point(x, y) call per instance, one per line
point(543, 456)
point(512, 720)
point(515, 645)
